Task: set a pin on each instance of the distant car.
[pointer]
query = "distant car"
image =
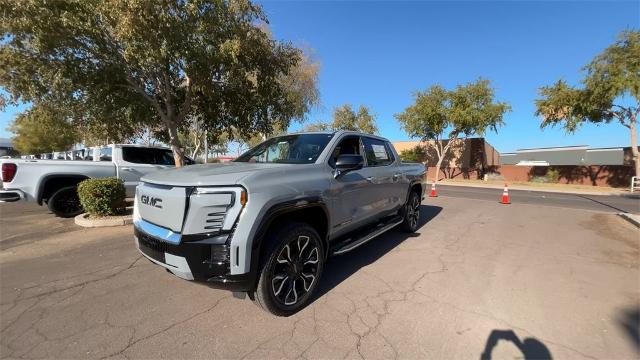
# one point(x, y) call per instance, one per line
point(265, 223)
point(54, 182)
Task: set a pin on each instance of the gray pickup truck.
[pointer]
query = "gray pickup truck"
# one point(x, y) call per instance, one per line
point(264, 224)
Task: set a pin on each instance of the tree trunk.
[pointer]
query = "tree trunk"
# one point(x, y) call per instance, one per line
point(634, 145)
point(178, 153)
point(438, 165)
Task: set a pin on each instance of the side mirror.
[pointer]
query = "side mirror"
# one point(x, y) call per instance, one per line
point(346, 163)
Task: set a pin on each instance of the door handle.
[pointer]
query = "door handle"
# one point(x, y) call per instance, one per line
point(126, 169)
point(370, 179)
point(396, 175)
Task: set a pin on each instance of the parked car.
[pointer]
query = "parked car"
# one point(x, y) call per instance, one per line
point(265, 223)
point(54, 182)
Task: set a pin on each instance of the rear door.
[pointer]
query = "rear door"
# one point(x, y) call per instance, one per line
point(385, 177)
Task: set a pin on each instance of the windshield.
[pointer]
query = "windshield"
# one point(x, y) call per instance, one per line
point(288, 149)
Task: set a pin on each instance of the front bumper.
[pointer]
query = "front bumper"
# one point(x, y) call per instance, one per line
point(11, 195)
point(201, 259)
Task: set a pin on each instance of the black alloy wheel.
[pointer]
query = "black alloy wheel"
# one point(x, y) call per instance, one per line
point(411, 212)
point(65, 202)
point(292, 270)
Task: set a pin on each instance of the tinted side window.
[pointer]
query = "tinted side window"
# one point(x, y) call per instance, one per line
point(139, 155)
point(377, 152)
point(349, 145)
point(165, 157)
point(105, 153)
point(187, 160)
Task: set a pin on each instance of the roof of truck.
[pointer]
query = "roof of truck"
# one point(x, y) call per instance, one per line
point(341, 132)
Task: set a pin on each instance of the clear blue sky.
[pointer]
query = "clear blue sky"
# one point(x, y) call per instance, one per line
point(378, 53)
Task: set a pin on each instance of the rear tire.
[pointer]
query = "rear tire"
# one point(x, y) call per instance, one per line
point(65, 202)
point(291, 268)
point(411, 213)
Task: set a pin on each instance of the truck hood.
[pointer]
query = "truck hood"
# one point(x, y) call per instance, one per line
point(208, 174)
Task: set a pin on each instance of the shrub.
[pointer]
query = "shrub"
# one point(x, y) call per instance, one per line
point(102, 197)
point(539, 179)
point(553, 176)
point(416, 154)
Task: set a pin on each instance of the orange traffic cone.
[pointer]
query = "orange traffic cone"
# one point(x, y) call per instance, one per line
point(505, 196)
point(433, 190)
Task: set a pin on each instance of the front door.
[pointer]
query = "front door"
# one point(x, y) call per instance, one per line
point(355, 193)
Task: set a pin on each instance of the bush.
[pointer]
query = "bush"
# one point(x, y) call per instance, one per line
point(539, 179)
point(416, 154)
point(553, 176)
point(102, 197)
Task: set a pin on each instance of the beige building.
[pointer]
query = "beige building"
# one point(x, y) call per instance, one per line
point(472, 156)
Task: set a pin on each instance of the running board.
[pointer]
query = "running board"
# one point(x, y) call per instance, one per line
point(350, 244)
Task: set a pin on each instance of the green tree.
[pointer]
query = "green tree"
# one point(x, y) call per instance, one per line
point(150, 64)
point(345, 118)
point(464, 111)
point(42, 129)
point(610, 92)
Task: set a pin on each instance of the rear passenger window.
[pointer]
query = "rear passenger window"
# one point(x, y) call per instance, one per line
point(105, 153)
point(377, 152)
point(141, 155)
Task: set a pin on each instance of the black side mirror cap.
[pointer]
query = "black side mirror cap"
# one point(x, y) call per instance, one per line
point(347, 162)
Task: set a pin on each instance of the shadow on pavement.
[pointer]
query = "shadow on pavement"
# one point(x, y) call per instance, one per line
point(531, 348)
point(340, 267)
point(629, 321)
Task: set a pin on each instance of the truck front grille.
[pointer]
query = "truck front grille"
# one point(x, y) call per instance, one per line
point(152, 247)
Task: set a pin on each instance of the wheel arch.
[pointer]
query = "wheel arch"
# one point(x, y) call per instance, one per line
point(50, 183)
point(312, 211)
point(414, 186)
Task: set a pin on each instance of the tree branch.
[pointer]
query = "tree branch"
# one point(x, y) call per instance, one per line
point(187, 99)
point(136, 87)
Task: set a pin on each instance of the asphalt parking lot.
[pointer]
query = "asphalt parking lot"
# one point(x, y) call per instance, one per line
point(478, 280)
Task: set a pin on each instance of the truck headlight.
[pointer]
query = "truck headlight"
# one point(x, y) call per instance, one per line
point(214, 209)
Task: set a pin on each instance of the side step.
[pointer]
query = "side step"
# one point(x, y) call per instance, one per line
point(368, 234)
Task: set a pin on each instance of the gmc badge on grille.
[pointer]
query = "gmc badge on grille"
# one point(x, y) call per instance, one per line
point(151, 201)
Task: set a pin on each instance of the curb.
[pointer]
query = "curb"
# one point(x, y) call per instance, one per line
point(633, 219)
point(523, 188)
point(120, 220)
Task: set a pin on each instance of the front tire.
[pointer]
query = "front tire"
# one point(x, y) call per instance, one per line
point(65, 202)
point(291, 269)
point(411, 213)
